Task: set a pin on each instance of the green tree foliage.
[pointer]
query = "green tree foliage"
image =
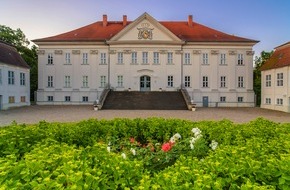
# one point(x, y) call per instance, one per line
point(18, 39)
point(259, 62)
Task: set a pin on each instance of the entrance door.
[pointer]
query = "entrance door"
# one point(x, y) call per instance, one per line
point(205, 101)
point(145, 83)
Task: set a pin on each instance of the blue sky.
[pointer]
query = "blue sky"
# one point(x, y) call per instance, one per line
point(267, 21)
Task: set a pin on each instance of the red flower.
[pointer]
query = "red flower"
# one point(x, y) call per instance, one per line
point(166, 147)
point(132, 140)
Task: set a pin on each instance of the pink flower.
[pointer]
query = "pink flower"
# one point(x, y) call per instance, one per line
point(167, 146)
point(132, 140)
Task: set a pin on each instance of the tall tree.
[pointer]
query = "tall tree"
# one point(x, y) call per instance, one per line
point(259, 62)
point(18, 39)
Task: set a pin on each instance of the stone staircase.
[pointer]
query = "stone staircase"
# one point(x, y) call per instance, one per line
point(124, 100)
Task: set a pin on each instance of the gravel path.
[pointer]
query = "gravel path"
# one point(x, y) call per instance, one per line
point(34, 114)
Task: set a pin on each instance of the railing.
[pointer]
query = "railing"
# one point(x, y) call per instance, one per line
point(187, 98)
point(98, 104)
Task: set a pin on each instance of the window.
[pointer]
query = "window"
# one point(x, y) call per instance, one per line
point(170, 81)
point(187, 81)
point(205, 81)
point(170, 58)
point(50, 59)
point(205, 58)
point(103, 59)
point(67, 81)
point(0, 76)
point(279, 101)
point(22, 99)
point(279, 79)
point(67, 98)
point(11, 99)
point(222, 99)
point(50, 81)
point(120, 81)
point(156, 58)
point(85, 58)
point(223, 81)
point(85, 98)
point(240, 82)
point(240, 99)
point(67, 58)
point(187, 58)
point(22, 79)
point(120, 58)
point(240, 59)
point(268, 100)
point(85, 81)
point(268, 80)
point(103, 81)
point(50, 98)
point(223, 59)
point(134, 57)
point(11, 79)
point(145, 57)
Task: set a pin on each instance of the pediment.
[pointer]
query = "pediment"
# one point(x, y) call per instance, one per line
point(145, 29)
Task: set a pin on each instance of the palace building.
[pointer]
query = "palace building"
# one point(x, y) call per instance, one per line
point(215, 68)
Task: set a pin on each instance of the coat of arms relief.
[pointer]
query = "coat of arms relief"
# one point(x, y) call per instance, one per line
point(145, 32)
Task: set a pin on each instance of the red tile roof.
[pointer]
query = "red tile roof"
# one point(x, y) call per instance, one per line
point(280, 58)
point(98, 32)
point(10, 56)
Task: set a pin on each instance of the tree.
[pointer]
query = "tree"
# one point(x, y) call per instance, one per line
point(18, 39)
point(259, 62)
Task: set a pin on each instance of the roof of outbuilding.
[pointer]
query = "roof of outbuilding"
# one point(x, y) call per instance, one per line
point(10, 56)
point(98, 32)
point(280, 58)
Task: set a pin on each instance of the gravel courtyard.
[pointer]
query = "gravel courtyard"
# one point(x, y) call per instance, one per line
point(35, 113)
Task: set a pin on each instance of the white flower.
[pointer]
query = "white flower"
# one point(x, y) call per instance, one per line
point(213, 144)
point(172, 140)
point(191, 146)
point(108, 149)
point(109, 144)
point(196, 131)
point(133, 151)
point(177, 136)
point(123, 155)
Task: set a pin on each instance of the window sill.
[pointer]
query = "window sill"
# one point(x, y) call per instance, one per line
point(85, 64)
point(223, 64)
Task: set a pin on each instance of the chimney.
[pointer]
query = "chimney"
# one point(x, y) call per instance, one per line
point(105, 20)
point(124, 20)
point(190, 20)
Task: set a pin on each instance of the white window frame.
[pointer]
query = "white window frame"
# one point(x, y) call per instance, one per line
point(85, 99)
point(67, 58)
point(205, 82)
point(103, 59)
point(144, 57)
point(11, 78)
point(223, 81)
point(205, 59)
point(50, 81)
point(240, 99)
point(85, 81)
point(241, 82)
point(120, 57)
point(50, 59)
point(85, 59)
point(187, 81)
point(268, 80)
point(187, 58)
point(280, 79)
point(156, 58)
point(170, 58)
point(103, 81)
point(170, 80)
point(268, 101)
point(240, 59)
point(67, 98)
point(120, 81)
point(0, 76)
point(279, 101)
point(134, 57)
point(22, 79)
point(222, 59)
point(67, 81)
point(50, 98)
point(223, 99)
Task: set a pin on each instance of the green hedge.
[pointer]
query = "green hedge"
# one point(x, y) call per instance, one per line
point(130, 154)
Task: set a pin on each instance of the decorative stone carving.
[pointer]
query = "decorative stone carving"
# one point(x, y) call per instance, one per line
point(178, 52)
point(94, 52)
point(162, 51)
point(250, 52)
point(112, 52)
point(41, 52)
point(232, 52)
point(76, 52)
point(58, 52)
point(214, 52)
point(126, 51)
point(196, 52)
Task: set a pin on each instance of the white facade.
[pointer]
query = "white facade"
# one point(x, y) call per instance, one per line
point(214, 73)
point(14, 86)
